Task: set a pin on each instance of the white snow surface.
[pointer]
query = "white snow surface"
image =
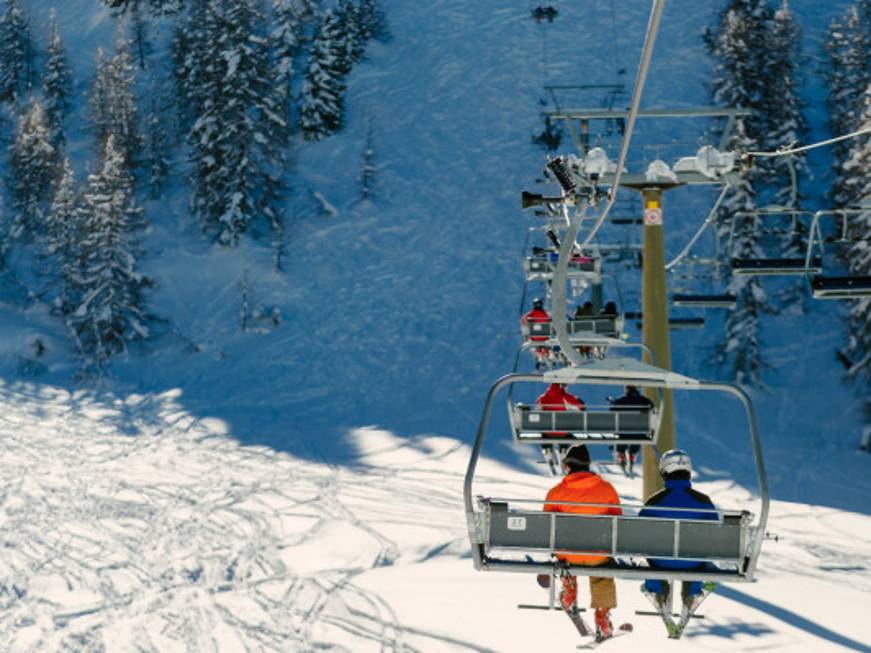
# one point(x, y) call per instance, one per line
point(131, 525)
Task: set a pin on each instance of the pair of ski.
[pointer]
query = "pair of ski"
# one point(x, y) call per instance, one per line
point(661, 604)
point(584, 630)
point(574, 614)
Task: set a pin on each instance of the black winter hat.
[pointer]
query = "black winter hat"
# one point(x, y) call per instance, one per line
point(577, 456)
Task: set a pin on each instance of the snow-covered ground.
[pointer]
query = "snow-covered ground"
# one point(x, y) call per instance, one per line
point(130, 525)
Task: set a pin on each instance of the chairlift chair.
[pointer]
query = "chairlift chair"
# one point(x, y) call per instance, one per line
point(827, 286)
point(774, 265)
point(509, 535)
point(542, 266)
point(692, 272)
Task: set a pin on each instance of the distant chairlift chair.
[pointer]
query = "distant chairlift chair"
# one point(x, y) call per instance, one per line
point(774, 265)
point(826, 286)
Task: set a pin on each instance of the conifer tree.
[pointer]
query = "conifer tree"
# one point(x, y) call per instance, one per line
point(62, 236)
point(322, 91)
point(237, 137)
point(286, 42)
point(108, 309)
point(847, 77)
point(190, 48)
point(113, 104)
point(16, 53)
point(56, 82)
point(32, 168)
point(857, 184)
point(373, 20)
point(353, 43)
point(783, 108)
point(140, 37)
point(157, 142)
point(157, 7)
point(738, 47)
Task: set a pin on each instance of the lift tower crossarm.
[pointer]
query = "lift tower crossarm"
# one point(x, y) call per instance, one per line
point(608, 114)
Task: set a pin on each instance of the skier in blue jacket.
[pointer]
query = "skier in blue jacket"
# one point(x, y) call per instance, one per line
point(675, 467)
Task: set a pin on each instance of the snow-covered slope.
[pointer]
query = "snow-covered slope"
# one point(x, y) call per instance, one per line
point(131, 525)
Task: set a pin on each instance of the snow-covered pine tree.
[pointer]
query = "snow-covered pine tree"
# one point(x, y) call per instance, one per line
point(322, 91)
point(158, 7)
point(740, 351)
point(140, 36)
point(368, 167)
point(62, 237)
point(57, 81)
point(373, 20)
point(108, 309)
point(190, 64)
point(783, 108)
point(353, 42)
point(847, 77)
point(857, 184)
point(737, 44)
point(286, 39)
point(238, 133)
point(33, 167)
point(157, 141)
point(16, 53)
point(783, 113)
point(123, 113)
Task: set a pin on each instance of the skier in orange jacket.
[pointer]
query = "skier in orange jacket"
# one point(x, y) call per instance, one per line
point(580, 485)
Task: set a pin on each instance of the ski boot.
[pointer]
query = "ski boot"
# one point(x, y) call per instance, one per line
point(660, 601)
point(604, 627)
point(691, 603)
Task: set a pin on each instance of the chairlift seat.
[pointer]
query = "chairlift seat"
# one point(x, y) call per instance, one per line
point(599, 325)
point(840, 287)
point(543, 267)
point(726, 300)
point(776, 266)
point(532, 426)
point(724, 541)
point(681, 323)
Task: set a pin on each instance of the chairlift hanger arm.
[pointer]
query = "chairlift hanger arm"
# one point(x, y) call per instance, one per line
point(707, 223)
point(609, 114)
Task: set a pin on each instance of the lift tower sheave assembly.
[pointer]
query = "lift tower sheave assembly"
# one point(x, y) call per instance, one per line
point(655, 322)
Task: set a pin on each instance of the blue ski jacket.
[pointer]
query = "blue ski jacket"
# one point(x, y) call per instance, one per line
point(677, 493)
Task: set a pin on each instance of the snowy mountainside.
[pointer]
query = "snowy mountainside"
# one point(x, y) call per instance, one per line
point(299, 488)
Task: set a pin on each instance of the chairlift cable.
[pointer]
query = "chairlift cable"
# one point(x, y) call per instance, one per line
point(707, 223)
point(643, 68)
point(805, 148)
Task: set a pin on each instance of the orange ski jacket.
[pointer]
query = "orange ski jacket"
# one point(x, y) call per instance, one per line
point(583, 487)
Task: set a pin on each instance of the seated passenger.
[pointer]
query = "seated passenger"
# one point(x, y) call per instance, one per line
point(584, 311)
point(557, 398)
point(580, 485)
point(537, 316)
point(675, 467)
point(631, 400)
point(610, 309)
